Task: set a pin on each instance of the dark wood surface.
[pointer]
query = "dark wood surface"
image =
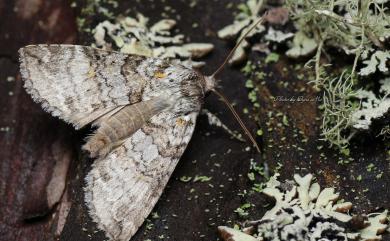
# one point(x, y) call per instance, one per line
point(33, 144)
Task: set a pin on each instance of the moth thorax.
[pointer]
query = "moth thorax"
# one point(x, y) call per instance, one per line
point(193, 87)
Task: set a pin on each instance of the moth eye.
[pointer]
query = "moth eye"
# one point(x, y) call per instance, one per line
point(171, 80)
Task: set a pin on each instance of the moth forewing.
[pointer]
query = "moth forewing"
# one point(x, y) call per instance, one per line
point(79, 84)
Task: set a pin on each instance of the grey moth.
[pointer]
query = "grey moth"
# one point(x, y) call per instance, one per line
point(144, 110)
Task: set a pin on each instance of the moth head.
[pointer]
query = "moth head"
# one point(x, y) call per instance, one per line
point(210, 82)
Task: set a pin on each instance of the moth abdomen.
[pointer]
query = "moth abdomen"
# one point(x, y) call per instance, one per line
point(98, 145)
point(114, 129)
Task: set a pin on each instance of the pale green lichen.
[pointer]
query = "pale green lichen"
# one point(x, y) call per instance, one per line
point(357, 28)
point(92, 7)
point(249, 13)
point(372, 106)
point(337, 110)
point(303, 212)
point(301, 46)
point(376, 61)
point(135, 36)
point(277, 36)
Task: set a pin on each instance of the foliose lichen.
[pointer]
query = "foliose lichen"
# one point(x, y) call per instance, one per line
point(304, 212)
point(135, 36)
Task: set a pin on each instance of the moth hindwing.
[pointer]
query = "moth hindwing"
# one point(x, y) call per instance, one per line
point(144, 111)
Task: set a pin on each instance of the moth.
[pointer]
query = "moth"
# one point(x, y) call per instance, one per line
point(144, 111)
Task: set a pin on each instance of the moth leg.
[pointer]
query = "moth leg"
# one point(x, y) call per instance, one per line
point(215, 121)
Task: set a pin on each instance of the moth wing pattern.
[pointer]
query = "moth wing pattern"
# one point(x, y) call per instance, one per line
point(123, 187)
point(79, 84)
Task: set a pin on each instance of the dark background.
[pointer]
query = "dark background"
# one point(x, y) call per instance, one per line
point(33, 144)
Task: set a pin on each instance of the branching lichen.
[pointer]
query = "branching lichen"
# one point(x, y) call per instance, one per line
point(357, 28)
point(337, 110)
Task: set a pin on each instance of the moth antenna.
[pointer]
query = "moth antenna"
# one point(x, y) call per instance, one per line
point(224, 99)
point(231, 108)
point(260, 20)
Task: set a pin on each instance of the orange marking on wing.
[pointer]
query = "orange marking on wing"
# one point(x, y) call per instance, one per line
point(91, 73)
point(160, 75)
point(180, 121)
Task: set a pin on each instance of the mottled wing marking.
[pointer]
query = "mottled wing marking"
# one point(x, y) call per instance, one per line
point(123, 187)
point(80, 84)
